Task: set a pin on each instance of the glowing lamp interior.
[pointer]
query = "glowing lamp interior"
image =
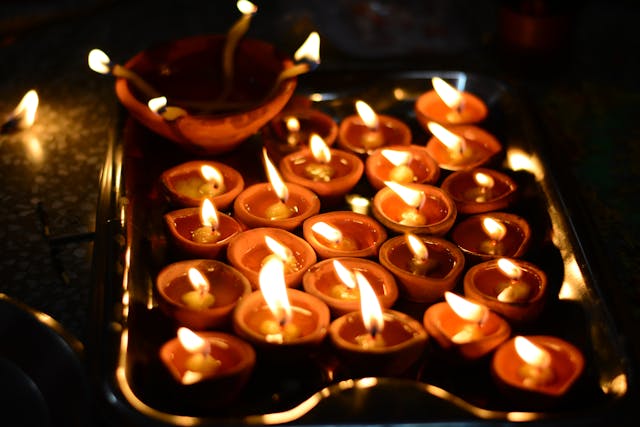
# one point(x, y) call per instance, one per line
point(198, 281)
point(27, 108)
point(531, 353)
point(417, 247)
point(275, 179)
point(397, 158)
point(369, 306)
point(494, 229)
point(274, 290)
point(483, 180)
point(449, 95)
point(208, 214)
point(368, 116)
point(280, 250)
point(453, 142)
point(347, 277)
point(466, 309)
point(99, 61)
point(319, 149)
point(327, 231)
point(411, 197)
point(309, 50)
point(246, 7)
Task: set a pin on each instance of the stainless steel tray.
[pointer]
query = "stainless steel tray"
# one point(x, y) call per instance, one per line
point(131, 248)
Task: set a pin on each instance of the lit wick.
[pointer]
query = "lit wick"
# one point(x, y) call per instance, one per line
point(455, 144)
point(214, 185)
point(482, 192)
point(169, 113)
point(333, 237)
point(373, 138)
point(474, 314)
point(308, 58)
point(281, 328)
point(371, 312)
point(280, 251)
point(293, 131)
point(401, 172)
point(208, 233)
point(496, 231)
point(24, 115)
point(451, 97)
point(200, 297)
point(537, 369)
point(200, 363)
point(420, 263)
point(320, 170)
point(278, 210)
point(414, 200)
point(346, 289)
point(515, 290)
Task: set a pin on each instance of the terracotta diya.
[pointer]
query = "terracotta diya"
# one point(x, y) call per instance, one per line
point(463, 147)
point(448, 105)
point(403, 164)
point(480, 190)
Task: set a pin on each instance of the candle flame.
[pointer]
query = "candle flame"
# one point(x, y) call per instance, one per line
point(397, 158)
point(157, 104)
point(531, 353)
point(368, 116)
point(274, 290)
point(347, 277)
point(293, 124)
point(369, 306)
point(411, 197)
point(274, 178)
point(358, 203)
point(319, 149)
point(99, 61)
point(211, 174)
point(191, 341)
point(208, 214)
point(417, 246)
point(25, 112)
point(483, 180)
point(309, 50)
point(449, 95)
point(494, 228)
point(198, 281)
point(452, 141)
point(466, 309)
point(509, 269)
point(246, 7)
point(327, 231)
point(280, 250)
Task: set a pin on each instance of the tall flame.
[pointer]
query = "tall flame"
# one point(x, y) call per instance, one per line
point(452, 141)
point(466, 309)
point(208, 214)
point(310, 49)
point(327, 231)
point(369, 306)
point(411, 197)
point(198, 281)
point(397, 158)
point(274, 178)
point(347, 277)
point(531, 353)
point(368, 116)
point(274, 289)
point(417, 246)
point(449, 95)
point(319, 149)
point(495, 229)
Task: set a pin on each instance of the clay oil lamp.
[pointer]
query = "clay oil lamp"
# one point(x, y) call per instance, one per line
point(333, 281)
point(188, 184)
point(373, 341)
point(403, 164)
point(249, 250)
point(327, 172)
point(282, 322)
point(367, 131)
point(461, 148)
point(275, 204)
point(414, 208)
point(425, 266)
point(513, 288)
point(344, 233)
point(200, 294)
point(201, 232)
point(447, 105)
point(464, 328)
point(480, 190)
point(211, 367)
point(536, 371)
point(492, 235)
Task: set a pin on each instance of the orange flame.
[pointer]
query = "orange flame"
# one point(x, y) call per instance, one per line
point(368, 116)
point(347, 277)
point(466, 309)
point(274, 289)
point(413, 198)
point(449, 95)
point(208, 214)
point(275, 179)
point(319, 149)
point(494, 228)
point(369, 306)
point(417, 247)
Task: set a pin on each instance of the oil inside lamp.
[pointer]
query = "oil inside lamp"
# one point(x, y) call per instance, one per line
point(214, 184)
point(496, 231)
point(474, 314)
point(200, 297)
point(482, 193)
point(373, 138)
point(278, 210)
point(200, 363)
point(536, 369)
point(414, 199)
point(371, 315)
point(401, 172)
point(159, 106)
point(455, 144)
point(450, 96)
point(208, 233)
point(320, 170)
point(24, 115)
point(272, 284)
point(514, 291)
point(334, 237)
point(420, 263)
point(282, 253)
point(293, 129)
point(347, 288)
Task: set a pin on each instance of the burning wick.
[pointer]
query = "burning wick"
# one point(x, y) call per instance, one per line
point(373, 138)
point(200, 297)
point(274, 290)
point(100, 63)
point(401, 172)
point(451, 97)
point(334, 237)
point(536, 369)
point(455, 144)
point(515, 291)
point(320, 170)
point(496, 232)
point(214, 185)
point(482, 193)
point(208, 233)
point(308, 58)
point(358, 203)
point(371, 312)
point(278, 210)
point(420, 263)
point(283, 253)
point(346, 289)
point(293, 129)
point(414, 199)
point(474, 314)
point(24, 115)
point(169, 113)
point(200, 363)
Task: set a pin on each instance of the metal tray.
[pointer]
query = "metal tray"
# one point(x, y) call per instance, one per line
point(131, 248)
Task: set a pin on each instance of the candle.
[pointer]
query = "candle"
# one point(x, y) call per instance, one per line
point(101, 63)
point(425, 266)
point(403, 164)
point(492, 235)
point(462, 148)
point(415, 208)
point(480, 190)
point(536, 371)
point(448, 105)
point(24, 115)
point(367, 131)
point(249, 250)
point(467, 329)
point(373, 341)
point(344, 233)
point(203, 232)
point(327, 172)
point(333, 281)
point(272, 204)
point(513, 288)
point(200, 294)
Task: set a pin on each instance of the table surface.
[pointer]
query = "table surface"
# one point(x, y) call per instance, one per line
point(585, 94)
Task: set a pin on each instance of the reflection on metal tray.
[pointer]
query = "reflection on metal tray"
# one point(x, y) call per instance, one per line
point(131, 248)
